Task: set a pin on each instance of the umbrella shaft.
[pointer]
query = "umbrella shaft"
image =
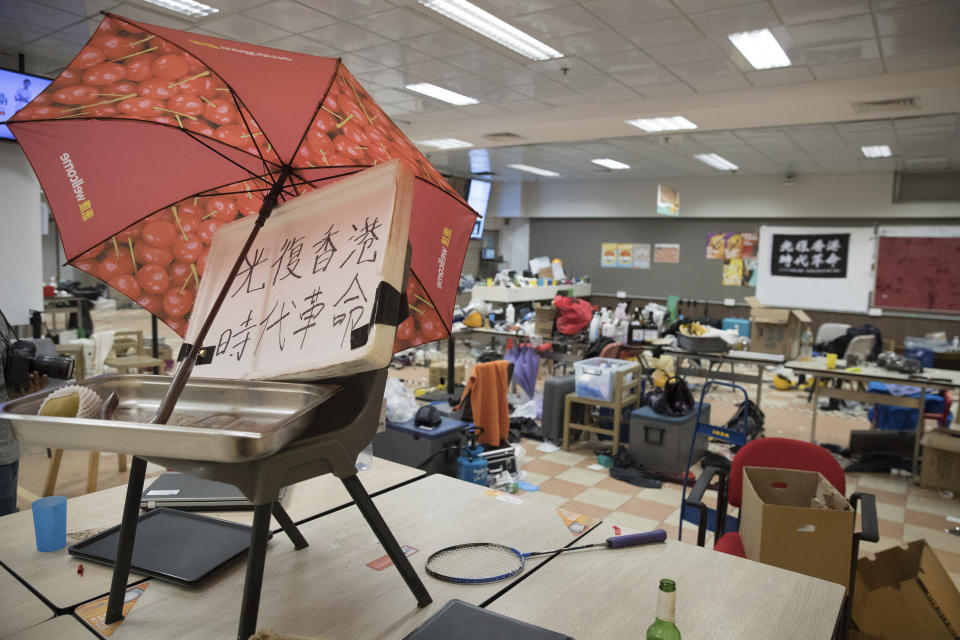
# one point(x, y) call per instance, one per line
point(186, 366)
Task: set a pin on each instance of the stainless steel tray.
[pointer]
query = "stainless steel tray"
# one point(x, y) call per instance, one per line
point(215, 420)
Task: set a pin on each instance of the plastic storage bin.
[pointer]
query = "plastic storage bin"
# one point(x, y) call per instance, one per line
point(741, 324)
point(662, 443)
point(595, 376)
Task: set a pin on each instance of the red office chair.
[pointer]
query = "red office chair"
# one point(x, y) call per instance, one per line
point(942, 417)
point(783, 453)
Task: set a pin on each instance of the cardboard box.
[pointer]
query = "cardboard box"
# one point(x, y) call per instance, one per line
point(941, 461)
point(776, 330)
point(545, 317)
point(904, 592)
point(438, 374)
point(779, 526)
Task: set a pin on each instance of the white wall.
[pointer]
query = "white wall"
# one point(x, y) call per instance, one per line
point(850, 195)
point(515, 243)
point(21, 258)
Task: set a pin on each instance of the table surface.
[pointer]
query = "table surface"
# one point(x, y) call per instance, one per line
point(19, 607)
point(54, 573)
point(527, 294)
point(59, 628)
point(744, 356)
point(327, 590)
point(718, 595)
point(873, 372)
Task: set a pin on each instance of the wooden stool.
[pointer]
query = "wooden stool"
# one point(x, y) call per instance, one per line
point(625, 394)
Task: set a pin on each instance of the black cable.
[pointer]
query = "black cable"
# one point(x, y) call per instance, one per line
point(447, 447)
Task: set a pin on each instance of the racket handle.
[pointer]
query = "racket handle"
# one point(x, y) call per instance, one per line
point(634, 539)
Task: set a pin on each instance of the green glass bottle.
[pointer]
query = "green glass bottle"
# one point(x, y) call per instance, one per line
point(663, 628)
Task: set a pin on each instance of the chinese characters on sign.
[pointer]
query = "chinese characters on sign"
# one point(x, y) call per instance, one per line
point(810, 256)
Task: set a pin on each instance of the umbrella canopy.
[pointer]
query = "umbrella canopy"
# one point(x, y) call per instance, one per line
point(152, 138)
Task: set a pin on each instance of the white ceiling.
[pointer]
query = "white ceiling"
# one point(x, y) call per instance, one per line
point(623, 59)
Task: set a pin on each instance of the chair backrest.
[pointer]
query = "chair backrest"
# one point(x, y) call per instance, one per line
point(829, 331)
point(783, 453)
point(611, 350)
point(861, 345)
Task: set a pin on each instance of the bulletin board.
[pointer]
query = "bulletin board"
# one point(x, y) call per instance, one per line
point(823, 268)
point(918, 268)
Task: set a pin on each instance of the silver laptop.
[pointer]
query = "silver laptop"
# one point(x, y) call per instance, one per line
point(182, 491)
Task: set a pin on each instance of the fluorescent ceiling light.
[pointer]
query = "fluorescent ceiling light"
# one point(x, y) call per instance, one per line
point(490, 26)
point(877, 151)
point(186, 7)
point(610, 164)
point(760, 49)
point(440, 93)
point(715, 161)
point(445, 143)
point(479, 161)
point(536, 170)
point(668, 123)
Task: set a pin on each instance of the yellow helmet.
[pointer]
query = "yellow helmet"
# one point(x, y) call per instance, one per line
point(474, 320)
point(781, 383)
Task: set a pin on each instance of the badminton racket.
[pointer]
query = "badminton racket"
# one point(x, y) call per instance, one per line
point(482, 562)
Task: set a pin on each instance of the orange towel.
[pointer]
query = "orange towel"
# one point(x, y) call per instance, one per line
point(487, 388)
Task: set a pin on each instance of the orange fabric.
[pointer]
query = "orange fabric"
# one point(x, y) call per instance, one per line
point(487, 388)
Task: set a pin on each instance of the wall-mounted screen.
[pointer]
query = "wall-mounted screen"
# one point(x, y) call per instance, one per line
point(478, 198)
point(16, 90)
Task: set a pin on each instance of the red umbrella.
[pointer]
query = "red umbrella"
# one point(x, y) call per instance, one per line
point(152, 138)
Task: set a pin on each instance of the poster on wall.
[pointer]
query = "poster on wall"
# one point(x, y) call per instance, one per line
point(668, 201)
point(641, 256)
point(715, 245)
point(625, 256)
point(749, 249)
point(732, 273)
point(666, 252)
point(810, 255)
point(750, 272)
point(608, 254)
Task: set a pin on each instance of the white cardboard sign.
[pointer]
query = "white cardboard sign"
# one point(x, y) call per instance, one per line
point(309, 281)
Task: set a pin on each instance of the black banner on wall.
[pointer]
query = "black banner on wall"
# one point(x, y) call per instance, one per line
point(810, 255)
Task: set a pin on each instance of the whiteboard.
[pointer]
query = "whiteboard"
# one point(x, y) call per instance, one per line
point(850, 293)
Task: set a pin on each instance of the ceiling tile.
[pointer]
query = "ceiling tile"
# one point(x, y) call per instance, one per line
point(699, 6)
point(664, 90)
point(798, 11)
point(925, 60)
point(614, 94)
point(592, 43)
point(851, 28)
point(775, 77)
point(400, 23)
point(563, 99)
point(13, 34)
point(345, 37)
point(586, 84)
point(935, 15)
point(303, 45)
point(540, 89)
point(350, 9)
point(392, 54)
point(435, 71)
point(563, 68)
point(145, 14)
point(76, 7)
point(855, 69)
point(359, 64)
point(720, 83)
point(481, 110)
point(289, 15)
point(748, 17)
point(556, 23)
point(385, 96)
point(508, 8)
point(524, 106)
point(883, 5)
point(644, 76)
point(237, 27)
point(442, 44)
point(485, 60)
point(515, 77)
point(389, 78)
point(661, 32)
point(617, 13)
point(672, 54)
point(920, 41)
point(621, 61)
point(835, 53)
point(700, 69)
point(37, 14)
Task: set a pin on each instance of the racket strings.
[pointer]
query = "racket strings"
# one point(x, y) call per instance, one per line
point(475, 562)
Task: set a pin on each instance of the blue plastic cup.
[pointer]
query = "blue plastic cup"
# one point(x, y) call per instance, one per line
point(50, 523)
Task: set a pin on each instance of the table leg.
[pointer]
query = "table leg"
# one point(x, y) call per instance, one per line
point(253, 580)
point(289, 528)
point(385, 536)
point(128, 533)
point(451, 364)
point(816, 407)
point(759, 383)
point(50, 484)
point(915, 466)
point(93, 470)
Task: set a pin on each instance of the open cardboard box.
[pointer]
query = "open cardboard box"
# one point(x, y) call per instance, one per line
point(776, 331)
point(904, 592)
point(941, 461)
point(778, 525)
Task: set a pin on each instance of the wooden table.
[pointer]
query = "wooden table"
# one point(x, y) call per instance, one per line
point(60, 628)
point(54, 574)
point(68, 305)
point(612, 594)
point(19, 608)
point(732, 358)
point(327, 590)
point(939, 379)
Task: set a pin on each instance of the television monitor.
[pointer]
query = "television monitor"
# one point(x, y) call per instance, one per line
point(478, 198)
point(16, 90)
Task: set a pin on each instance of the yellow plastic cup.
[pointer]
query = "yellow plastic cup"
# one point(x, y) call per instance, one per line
point(489, 282)
point(831, 361)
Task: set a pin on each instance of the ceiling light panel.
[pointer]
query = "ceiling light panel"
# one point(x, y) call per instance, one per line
point(186, 7)
point(760, 49)
point(667, 123)
point(445, 143)
point(490, 26)
point(439, 93)
point(715, 161)
point(610, 164)
point(535, 170)
point(877, 151)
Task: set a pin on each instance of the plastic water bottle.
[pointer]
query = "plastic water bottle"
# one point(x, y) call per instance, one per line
point(511, 315)
point(594, 331)
point(806, 345)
